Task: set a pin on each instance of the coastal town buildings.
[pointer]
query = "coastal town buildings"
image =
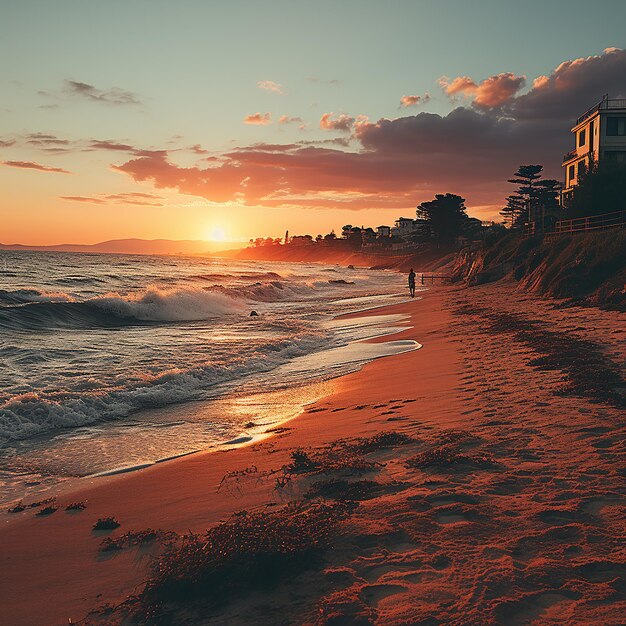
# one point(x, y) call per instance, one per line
point(600, 134)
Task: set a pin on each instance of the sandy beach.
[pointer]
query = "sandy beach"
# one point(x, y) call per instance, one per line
point(498, 500)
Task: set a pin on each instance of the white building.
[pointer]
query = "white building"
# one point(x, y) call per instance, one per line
point(404, 227)
point(600, 134)
point(383, 231)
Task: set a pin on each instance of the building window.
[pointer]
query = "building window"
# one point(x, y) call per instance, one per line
point(615, 126)
point(581, 137)
point(581, 168)
point(572, 173)
point(615, 155)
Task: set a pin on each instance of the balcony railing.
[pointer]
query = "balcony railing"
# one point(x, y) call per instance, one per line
point(604, 104)
point(570, 155)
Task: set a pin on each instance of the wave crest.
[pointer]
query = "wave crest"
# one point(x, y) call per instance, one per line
point(37, 310)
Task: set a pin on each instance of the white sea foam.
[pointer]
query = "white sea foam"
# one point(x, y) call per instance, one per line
point(169, 305)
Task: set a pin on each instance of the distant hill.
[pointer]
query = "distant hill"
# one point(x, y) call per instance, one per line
point(134, 246)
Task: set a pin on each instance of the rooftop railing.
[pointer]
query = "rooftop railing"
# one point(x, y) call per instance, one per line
point(603, 104)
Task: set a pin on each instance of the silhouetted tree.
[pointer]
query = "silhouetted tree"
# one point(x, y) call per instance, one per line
point(601, 189)
point(368, 234)
point(515, 211)
point(353, 235)
point(445, 216)
point(526, 178)
point(549, 210)
point(535, 200)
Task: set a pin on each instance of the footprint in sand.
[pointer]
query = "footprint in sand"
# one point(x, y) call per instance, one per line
point(374, 572)
point(373, 594)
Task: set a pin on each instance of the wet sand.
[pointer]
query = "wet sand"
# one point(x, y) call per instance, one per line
point(522, 522)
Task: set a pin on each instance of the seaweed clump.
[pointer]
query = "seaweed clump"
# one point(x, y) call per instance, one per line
point(250, 549)
point(76, 506)
point(448, 457)
point(345, 490)
point(47, 510)
point(333, 459)
point(135, 538)
point(21, 506)
point(387, 439)
point(106, 523)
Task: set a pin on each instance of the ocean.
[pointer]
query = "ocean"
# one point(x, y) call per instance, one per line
point(111, 362)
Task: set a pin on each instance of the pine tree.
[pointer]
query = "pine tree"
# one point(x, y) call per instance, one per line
point(526, 179)
point(514, 211)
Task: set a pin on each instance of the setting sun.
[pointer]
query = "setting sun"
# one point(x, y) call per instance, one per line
point(217, 234)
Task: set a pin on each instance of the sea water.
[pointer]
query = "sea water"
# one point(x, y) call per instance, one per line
point(116, 361)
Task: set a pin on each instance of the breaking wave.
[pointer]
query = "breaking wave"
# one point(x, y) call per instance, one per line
point(29, 309)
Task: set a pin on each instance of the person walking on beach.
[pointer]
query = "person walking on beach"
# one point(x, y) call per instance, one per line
point(412, 283)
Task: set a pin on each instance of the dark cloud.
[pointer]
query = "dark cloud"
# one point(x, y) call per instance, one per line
point(7, 144)
point(573, 87)
point(46, 140)
point(30, 165)
point(114, 95)
point(108, 144)
point(399, 162)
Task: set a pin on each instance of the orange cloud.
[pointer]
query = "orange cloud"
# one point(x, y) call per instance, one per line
point(30, 165)
point(489, 93)
point(258, 119)
point(411, 101)
point(342, 122)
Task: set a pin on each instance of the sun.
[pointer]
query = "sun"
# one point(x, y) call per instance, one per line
point(217, 234)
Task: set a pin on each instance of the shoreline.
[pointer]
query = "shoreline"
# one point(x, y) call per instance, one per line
point(385, 329)
point(424, 534)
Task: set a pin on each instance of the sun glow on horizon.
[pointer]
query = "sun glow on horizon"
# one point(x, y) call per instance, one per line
point(216, 234)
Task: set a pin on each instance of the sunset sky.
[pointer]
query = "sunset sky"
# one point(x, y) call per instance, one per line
point(200, 120)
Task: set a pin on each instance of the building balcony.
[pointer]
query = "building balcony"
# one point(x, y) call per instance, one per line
point(572, 154)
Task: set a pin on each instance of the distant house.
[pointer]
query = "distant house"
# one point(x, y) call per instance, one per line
point(600, 134)
point(383, 231)
point(404, 227)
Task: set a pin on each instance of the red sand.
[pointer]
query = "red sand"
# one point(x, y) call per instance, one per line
point(538, 538)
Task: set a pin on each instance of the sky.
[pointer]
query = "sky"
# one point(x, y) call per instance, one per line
point(232, 120)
